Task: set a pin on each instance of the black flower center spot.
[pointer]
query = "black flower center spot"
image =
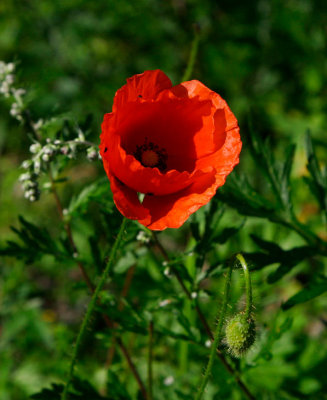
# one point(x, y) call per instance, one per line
point(150, 155)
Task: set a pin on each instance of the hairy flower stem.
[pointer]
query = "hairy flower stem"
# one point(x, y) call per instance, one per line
point(91, 307)
point(205, 324)
point(193, 53)
point(214, 345)
point(248, 286)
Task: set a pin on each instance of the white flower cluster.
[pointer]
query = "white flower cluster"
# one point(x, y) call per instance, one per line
point(143, 237)
point(42, 153)
point(7, 89)
point(30, 185)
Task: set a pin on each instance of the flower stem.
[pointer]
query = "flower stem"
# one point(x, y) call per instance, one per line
point(248, 286)
point(205, 324)
point(191, 60)
point(91, 307)
point(214, 345)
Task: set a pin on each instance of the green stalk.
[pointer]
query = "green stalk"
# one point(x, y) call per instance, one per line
point(217, 336)
point(248, 286)
point(191, 60)
point(91, 307)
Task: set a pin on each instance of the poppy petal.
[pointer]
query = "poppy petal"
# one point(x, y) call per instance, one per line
point(127, 201)
point(142, 86)
point(173, 210)
point(212, 135)
point(174, 144)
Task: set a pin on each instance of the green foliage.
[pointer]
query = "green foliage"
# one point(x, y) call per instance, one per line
point(71, 57)
point(34, 243)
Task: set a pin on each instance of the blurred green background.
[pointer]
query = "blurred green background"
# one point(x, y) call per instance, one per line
point(268, 60)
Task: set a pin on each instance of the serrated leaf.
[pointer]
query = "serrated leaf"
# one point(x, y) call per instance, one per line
point(125, 262)
point(115, 388)
point(312, 290)
point(129, 320)
point(36, 241)
point(54, 393)
point(285, 191)
point(239, 194)
point(225, 234)
point(318, 180)
point(266, 244)
point(94, 191)
point(85, 391)
point(288, 259)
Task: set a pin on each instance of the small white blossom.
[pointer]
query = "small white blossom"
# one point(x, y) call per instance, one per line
point(19, 92)
point(38, 124)
point(164, 303)
point(24, 177)
point(10, 79)
point(10, 67)
point(37, 166)
point(35, 147)
point(26, 164)
point(14, 112)
point(169, 380)
point(143, 237)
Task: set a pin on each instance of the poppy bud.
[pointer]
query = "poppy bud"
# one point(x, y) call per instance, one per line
point(240, 334)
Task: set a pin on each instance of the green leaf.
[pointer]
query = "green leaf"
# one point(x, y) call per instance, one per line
point(264, 157)
point(312, 290)
point(36, 242)
point(115, 388)
point(285, 177)
point(318, 180)
point(239, 194)
point(85, 391)
point(92, 192)
point(288, 259)
point(125, 262)
point(267, 245)
point(129, 320)
point(49, 394)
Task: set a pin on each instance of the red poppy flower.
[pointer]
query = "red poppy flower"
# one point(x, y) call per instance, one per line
point(176, 145)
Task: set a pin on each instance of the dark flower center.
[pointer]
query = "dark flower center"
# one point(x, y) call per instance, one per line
point(150, 155)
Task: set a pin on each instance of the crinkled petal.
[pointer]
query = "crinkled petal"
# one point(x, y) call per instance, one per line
point(173, 210)
point(225, 159)
point(145, 86)
point(196, 128)
point(208, 139)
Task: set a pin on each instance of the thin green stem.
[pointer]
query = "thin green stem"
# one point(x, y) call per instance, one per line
point(205, 324)
point(248, 286)
point(91, 307)
point(150, 362)
point(191, 60)
point(217, 336)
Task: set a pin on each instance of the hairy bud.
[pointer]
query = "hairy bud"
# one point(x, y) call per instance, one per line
point(240, 334)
